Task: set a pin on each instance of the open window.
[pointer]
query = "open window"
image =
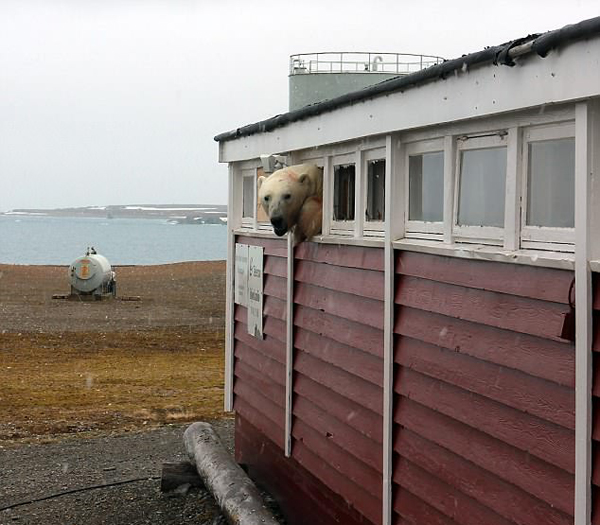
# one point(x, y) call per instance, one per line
point(344, 195)
point(425, 191)
point(248, 197)
point(374, 192)
point(480, 188)
point(548, 209)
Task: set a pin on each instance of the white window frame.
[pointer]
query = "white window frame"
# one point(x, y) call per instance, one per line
point(478, 234)
point(343, 228)
point(543, 237)
point(371, 228)
point(248, 222)
point(422, 229)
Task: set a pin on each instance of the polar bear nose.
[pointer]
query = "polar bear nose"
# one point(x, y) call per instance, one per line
point(279, 225)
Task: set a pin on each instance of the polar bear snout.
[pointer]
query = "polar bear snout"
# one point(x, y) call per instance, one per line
point(279, 225)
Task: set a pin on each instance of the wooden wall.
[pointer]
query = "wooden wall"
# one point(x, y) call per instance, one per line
point(336, 462)
point(484, 410)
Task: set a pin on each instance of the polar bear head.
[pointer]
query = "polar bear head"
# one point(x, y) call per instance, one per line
point(285, 191)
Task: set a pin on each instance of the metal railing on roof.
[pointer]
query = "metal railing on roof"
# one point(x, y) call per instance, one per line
point(359, 62)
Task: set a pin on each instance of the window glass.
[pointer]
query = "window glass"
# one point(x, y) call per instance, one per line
point(426, 187)
point(482, 186)
point(375, 190)
point(343, 193)
point(551, 183)
point(248, 197)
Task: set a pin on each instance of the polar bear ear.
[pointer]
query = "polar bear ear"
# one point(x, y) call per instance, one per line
point(261, 179)
point(305, 179)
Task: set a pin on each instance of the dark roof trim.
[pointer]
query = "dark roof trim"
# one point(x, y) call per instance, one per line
point(502, 54)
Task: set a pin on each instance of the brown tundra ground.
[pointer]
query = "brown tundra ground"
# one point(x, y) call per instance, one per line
point(87, 368)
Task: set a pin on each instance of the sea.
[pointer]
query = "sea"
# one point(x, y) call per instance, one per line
point(32, 239)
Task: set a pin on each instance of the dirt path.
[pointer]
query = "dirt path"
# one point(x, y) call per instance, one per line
point(36, 471)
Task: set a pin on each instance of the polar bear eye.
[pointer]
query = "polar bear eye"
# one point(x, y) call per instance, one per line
point(266, 198)
point(287, 196)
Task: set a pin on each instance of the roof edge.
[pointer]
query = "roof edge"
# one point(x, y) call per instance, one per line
point(497, 55)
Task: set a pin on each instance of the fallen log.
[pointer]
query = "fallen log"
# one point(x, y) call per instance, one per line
point(234, 491)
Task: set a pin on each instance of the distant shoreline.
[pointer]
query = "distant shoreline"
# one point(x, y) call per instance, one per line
point(176, 213)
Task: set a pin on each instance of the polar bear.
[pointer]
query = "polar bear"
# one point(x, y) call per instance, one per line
point(292, 197)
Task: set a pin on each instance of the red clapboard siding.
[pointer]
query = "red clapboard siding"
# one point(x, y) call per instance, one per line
point(416, 511)
point(545, 440)
point(275, 286)
point(527, 281)
point(537, 477)
point(268, 347)
point(528, 316)
point(365, 283)
point(275, 266)
point(450, 502)
point(502, 497)
point(541, 398)
point(348, 306)
point(362, 337)
point(355, 496)
point(484, 409)
point(337, 458)
point(357, 362)
point(301, 496)
point(277, 247)
point(339, 433)
point(341, 255)
point(359, 418)
point(360, 391)
point(267, 381)
point(503, 347)
point(267, 428)
point(596, 401)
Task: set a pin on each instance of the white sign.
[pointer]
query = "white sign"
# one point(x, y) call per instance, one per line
point(241, 274)
point(255, 291)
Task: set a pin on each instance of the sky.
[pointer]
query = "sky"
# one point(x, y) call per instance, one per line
point(117, 101)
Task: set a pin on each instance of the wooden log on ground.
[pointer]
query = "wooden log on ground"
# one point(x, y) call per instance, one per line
point(233, 490)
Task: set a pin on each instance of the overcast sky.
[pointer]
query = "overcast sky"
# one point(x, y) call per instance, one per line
point(117, 102)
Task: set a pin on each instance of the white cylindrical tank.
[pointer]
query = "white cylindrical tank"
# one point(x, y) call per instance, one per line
point(91, 273)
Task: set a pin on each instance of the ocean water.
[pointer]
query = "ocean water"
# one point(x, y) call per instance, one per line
point(26, 239)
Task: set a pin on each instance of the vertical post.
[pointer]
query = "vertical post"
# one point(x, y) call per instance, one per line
point(394, 229)
point(289, 347)
point(513, 194)
point(449, 167)
point(327, 195)
point(232, 212)
point(359, 193)
point(583, 317)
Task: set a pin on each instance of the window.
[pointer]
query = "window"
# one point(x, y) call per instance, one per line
point(343, 192)
point(551, 183)
point(248, 184)
point(426, 187)
point(482, 185)
point(375, 209)
point(548, 214)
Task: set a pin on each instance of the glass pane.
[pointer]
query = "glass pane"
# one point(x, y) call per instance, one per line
point(376, 190)
point(426, 187)
point(551, 183)
point(343, 193)
point(248, 197)
point(482, 185)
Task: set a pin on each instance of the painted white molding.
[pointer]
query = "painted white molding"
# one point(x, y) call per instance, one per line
point(570, 75)
point(583, 317)
point(229, 291)
point(512, 195)
point(289, 347)
point(394, 226)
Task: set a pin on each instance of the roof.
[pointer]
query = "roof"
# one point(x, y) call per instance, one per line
point(502, 54)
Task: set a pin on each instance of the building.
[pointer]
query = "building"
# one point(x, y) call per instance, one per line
point(428, 359)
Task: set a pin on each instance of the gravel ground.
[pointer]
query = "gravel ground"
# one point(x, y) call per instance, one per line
point(37, 471)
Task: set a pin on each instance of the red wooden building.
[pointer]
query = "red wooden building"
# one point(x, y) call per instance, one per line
point(429, 358)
